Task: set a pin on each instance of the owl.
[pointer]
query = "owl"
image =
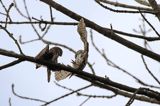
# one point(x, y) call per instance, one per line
point(50, 55)
point(80, 60)
point(79, 63)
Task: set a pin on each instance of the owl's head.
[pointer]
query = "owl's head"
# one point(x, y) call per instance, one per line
point(56, 50)
point(78, 53)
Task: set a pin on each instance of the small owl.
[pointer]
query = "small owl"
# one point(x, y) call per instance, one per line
point(79, 63)
point(80, 60)
point(49, 55)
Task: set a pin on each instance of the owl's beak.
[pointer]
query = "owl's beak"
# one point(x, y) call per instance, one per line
point(60, 54)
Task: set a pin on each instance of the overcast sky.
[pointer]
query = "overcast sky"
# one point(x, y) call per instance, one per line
point(33, 83)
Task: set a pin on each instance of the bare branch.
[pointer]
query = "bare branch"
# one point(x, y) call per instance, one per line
point(124, 93)
point(117, 4)
point(136, 36)
point(102, 82)
point(41, 26)
point(19, 11)
point(87, 95)
point(85, 101)
point(37, 22)
point(66, 95)
point(29, 18)
point(104, 31)
point(91, 67)
point(51, 14)
point(24, 97)
point(149, 23)
point(112, 64)
point(10, 104)
point(11, 36)
point(7, 11)
point(74, 23)
point(145, 64)
point(7, 14)
point(10, 64)
point(132, 98)
point(121, 11)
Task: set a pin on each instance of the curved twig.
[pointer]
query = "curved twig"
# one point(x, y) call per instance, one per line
point(24, 97)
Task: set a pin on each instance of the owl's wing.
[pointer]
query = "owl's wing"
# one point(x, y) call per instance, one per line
point(60, 75)
point(55, 58)
point(41, 54)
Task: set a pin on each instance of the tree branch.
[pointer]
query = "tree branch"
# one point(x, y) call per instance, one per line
point(66, 95)
point(10, 64)
point(117, 4)
point(104, 31)
point(23, 97)
point(111, 85)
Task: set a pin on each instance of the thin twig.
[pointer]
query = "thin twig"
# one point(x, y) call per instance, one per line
point(10, 104)
point(46, 28)
point(118, 4)
point(45, 22)
point(51, 14)
point(131, 100)
point(46, 31)
point(87, 95)
point(112, 64)
point(7, 14)
point(88, 98)
point(136, 36)
point(142, 30)
point(149, 23)
point(3, 5)
point(63, 96)
point(121, 11)
point(29, 18)
point(11, 36)
point(5, 9)
point(29, 41)
point(153, 76)
point(10, 64)
point(19, 11)
point(91, 67)
point(24, 97)
point(2, 13)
